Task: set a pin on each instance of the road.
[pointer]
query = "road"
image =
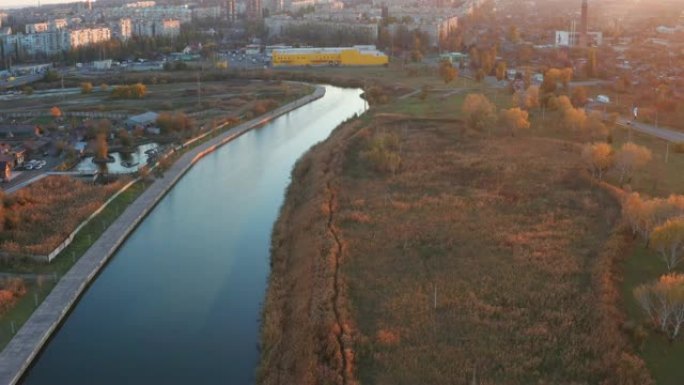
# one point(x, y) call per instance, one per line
point(659, 132)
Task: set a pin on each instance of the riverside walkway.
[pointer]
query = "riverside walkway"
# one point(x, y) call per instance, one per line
point(27, 343)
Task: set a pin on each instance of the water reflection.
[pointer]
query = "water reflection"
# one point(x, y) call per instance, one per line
point(123, 162)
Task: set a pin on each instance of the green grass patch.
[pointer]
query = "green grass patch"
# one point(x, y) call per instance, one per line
point(663, 358)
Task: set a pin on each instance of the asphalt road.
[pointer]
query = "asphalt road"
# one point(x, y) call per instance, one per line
point(658, 132)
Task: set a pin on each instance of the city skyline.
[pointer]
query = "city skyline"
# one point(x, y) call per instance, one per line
point(31, 3)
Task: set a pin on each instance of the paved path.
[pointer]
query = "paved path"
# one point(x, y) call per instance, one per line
point(664, 133)
point(26, 344)
point(659, 132)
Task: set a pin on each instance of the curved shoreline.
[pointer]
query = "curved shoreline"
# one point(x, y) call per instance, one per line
point(29, 340)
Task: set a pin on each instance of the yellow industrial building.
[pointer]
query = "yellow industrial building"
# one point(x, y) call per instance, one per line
point(360, 55)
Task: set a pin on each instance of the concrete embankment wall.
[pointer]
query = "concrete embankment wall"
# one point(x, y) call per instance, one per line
point(27, 343)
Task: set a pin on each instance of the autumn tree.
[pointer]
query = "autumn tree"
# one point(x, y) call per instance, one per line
point(501, 69)
point(575, 119)
point(595, 126)
point(174, 122)
point(101, 147)
point(447, 71)
point(550, 82)
point(480, 75)
point(55, 112)
point(579, 96)
point(565, 76)
point(86, 87)
point(663, 302)
point(592, 63)
point(638, 214)
point(480, 113)
point(599, 158)
point(514, 119)
point(668, 240)
point(532, 97)
point(513, 34)
point(135, 91)
point(630, 157)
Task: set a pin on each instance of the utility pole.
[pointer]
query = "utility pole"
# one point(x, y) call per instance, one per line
point(667, 152)
point(435, 297)
point(199, 91)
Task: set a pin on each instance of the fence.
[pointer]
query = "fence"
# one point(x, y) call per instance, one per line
point(79, 114)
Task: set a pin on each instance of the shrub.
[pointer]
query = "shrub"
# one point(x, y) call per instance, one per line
point(135, 91)
point(382, 153)
point(86, 87)
point(678, 147)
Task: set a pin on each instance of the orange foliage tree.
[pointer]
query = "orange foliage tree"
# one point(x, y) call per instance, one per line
point(599, 158)
point(668, 240)
point(55, 112)
point(514, 119)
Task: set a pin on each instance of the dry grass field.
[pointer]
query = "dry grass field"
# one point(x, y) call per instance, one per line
point(37, 218)
point(487, 258)
point(212, 100)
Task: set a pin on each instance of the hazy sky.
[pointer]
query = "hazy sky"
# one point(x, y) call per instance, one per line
point(30, 3)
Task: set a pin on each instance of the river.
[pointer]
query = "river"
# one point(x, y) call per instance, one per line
point(180, 301)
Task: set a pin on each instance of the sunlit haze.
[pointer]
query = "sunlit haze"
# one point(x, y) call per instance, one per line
point(30, 3)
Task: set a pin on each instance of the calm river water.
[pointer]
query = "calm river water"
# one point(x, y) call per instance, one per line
point(180, 301)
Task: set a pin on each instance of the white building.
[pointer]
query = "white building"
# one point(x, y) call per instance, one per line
point(141, 4)
point(571, 39)
point(84, 37)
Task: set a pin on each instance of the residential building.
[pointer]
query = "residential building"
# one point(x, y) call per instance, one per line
point(279, 25)
point(254, 9)
point(202, 13)
point(84, 37)
point(231, 11)
point(141, 4)
point(122, 29)
point(157, 28)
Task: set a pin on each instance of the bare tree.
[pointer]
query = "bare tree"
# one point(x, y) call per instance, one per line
point(630, 157)
point(668, 240)
point(663, 302)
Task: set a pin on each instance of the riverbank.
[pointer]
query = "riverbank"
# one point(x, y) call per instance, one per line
point(24, 347)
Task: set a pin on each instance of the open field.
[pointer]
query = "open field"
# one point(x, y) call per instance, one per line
point(487, 257)
point(214, 100)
